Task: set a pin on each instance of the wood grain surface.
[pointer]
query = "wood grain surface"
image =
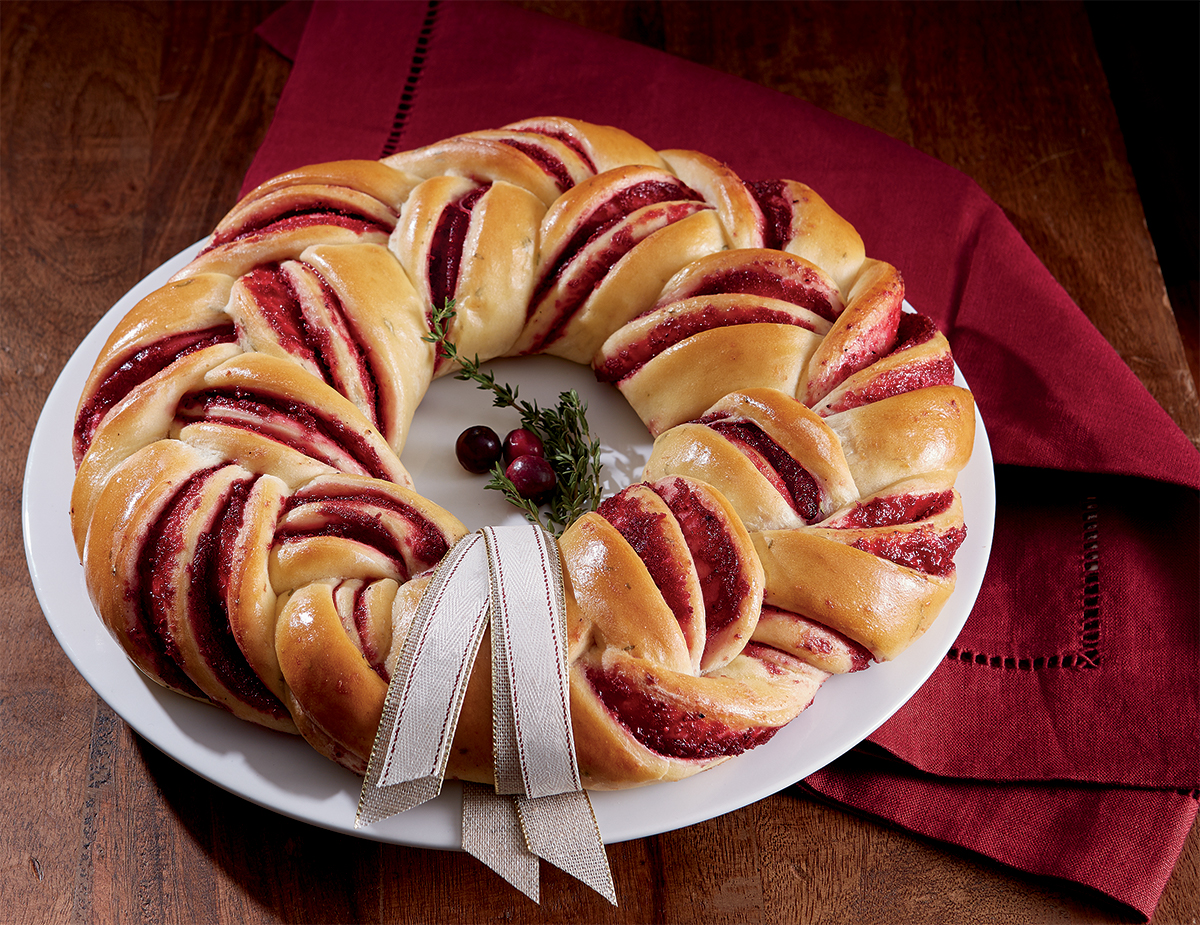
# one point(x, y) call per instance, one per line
point(127, 128)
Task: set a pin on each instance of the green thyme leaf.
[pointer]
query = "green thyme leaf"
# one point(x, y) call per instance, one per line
point(570, 448)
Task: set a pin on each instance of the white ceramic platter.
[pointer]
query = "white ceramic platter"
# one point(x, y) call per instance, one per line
point(282, 773)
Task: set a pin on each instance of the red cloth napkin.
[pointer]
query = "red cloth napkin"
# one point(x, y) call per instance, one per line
point(1059, 734)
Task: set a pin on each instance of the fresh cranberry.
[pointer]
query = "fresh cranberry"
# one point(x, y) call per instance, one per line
point(533, 477)
point(522, 442)
point(478, 448)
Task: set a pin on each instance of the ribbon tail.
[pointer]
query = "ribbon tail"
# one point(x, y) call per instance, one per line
point(385, 801)
point(491, 832)
point(562, 829)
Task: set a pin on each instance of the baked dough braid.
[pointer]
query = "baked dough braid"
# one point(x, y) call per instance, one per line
point(251, 537)
point(856, 531)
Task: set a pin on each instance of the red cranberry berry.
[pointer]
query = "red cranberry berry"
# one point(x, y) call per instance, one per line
point(478, 448)
point(533, 477)
point(522, 442)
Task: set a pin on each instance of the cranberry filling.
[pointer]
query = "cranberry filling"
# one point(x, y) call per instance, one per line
point(276, 419)
point(803, 288)
point(279, 306)
point(913, 330)
point(207, 613)
point(356, 517)
point(664, 727)
point(374, 657)
point(722, 582)
point(770, 665)
point(301, 218)
point(823, 642)
point(777, 208)
point(907, 378)
point(570, 141)
point(139, 367)
point(608, 213)
point(773, 661)
point(923, 548)
point(585, 282)
point(895, 509)
point(227, 534)
point(797, 485)
point(553, 167)
point(162, 543)
point(323, 336)
point(677, 328)
point(445, 253)
point(643, 530)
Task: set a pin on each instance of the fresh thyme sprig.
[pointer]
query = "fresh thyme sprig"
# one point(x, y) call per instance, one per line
point(569, 446)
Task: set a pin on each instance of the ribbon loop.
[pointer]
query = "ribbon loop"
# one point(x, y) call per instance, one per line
point(531, 707)
point(424, 698)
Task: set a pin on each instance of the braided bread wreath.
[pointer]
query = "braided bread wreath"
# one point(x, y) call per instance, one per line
point(251, 538)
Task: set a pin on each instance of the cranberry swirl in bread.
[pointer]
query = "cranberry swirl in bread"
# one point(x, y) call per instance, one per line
point(251, 537)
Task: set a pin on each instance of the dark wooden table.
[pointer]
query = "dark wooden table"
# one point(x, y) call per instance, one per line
point(126, 130)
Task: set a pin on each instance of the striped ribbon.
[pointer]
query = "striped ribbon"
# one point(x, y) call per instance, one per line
point(511, 579)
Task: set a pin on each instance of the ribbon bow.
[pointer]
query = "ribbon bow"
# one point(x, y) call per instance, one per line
point(510, 578)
